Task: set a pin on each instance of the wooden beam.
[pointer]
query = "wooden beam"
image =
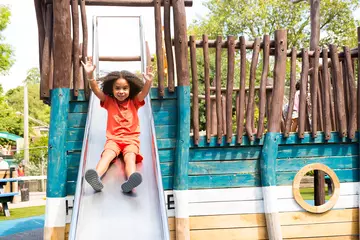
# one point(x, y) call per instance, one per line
point(124, 3)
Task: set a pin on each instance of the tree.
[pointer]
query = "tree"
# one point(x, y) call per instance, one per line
point(258, 17)
point(9, 121)
point(6, 52)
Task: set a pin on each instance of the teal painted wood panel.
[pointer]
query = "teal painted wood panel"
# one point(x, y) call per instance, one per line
point(208, 154)
point(344, 175)
point(213, 142)
point(70, 188)
point(314, 150)
point(165, 131)
point(72, 173)
point(295, 164)
point(74, 145)
point(75, 134)
point(163, 105)
point(80, 97)
point(78, 107)
point(73, 159)
point(154, 94)
point(77, 120)
point(166, 155)
point(166, 143)
point(165, 118)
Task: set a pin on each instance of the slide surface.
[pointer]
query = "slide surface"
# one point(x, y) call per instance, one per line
point(111, 214)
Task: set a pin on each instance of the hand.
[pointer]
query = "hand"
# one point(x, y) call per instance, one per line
point(149, 75)
point(89, 68)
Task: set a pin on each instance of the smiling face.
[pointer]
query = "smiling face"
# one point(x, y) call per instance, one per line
point(121, 89)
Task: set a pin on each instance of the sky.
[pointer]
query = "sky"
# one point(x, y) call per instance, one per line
point(117, 37)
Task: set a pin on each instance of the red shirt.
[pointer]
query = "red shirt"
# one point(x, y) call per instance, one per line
point(123, 121)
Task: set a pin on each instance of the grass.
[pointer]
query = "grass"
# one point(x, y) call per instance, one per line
point(17, 213)
point(308, 193)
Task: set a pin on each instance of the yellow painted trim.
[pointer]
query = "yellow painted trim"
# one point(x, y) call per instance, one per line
point(54, 233)
point(296, 188)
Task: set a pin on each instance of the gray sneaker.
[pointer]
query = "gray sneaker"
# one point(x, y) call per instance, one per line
point(92, 177)
point(134, 180)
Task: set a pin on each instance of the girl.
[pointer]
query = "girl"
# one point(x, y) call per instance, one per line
point(122, 94)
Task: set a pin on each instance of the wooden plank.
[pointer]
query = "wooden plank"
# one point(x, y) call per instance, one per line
point(163, 105)
point(326, 92)
point(84, 49)
point(207, 87)
point(38, 4)
point(314, 89)
point(230, 86)
point(72, 173)
point(167, 94)
point(166, 143)
point(241, 110)
point(78, 107)
point(303, 87)
point(251, 100)
point(165, 118)
point(166, 155)
point(214, 154)
point(168, 46)
point(358, 86)
point(75, 46)
point(230, 234)
point(77, 120)
point(218, 88)
point(195, 102)
point(79, 98)
point(73, 159)
point(75, 134)
point(264, 76)
point(159, 48)
point(165, 131)
point(70, 188)
point(73, 145)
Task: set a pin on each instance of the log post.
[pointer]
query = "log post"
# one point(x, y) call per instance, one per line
point(218, 89)
point(326, 105)
point(159, 49)
point(292, 92)
point(75, 46)
point(84, 46)
point(314, 87)
point(241, 109)
point(303, 93)
point(207, 88)
point(168, 46)
point(229, 87)
point(195, 105)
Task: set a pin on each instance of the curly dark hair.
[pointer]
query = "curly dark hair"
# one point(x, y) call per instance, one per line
point(136, 84)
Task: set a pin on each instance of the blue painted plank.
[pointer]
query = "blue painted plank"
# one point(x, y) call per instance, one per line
point(77, 120)
point(70, 188)
point(166, 155)
point(314, 150)
point(78, 107)
point(268, 159)
point(214, 167)
point(165, 118)
point(72, 173)
point(158, 105)
point(231, 153)
point(295, 164)
point(73, 159)
point(166, 143)
point(334, 138)
point(80, 97)
point(74, 145)
point(75, 134)
point(344, 175)
point(165, 131)
point(154, 94)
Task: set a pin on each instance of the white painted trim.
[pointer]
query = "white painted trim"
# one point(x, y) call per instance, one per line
point(181, 201)
point(270, 199)
point(55, 213)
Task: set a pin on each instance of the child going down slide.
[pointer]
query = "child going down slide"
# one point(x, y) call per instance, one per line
point(122, 94)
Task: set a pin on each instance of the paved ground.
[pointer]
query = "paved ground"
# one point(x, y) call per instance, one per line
point(29, 235)
point(35, 199)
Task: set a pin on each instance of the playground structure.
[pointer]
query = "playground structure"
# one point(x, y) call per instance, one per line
point(241, 181)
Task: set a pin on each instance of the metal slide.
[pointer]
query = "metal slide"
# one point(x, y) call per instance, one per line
point(111, 214)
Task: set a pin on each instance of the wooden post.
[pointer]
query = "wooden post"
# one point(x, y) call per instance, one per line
point(251, 101)
point(168, 46)
point(213, 121)
point(218, 89)
point(75, 46)
point(195, 105)
point(339, 88)
point(183, 130)
point(352, 93)
point(241, 109)
point(303, 85)
point(320, 94)
point(60, 96)
point(358, 87)
point(264, 76)
point(84, 46)
point(270, 147)
point(326, 105)
point(159, 49)
point(207, 88)
point(314, 87)
point(229, 87)
point(292, 92)
point(41, 27)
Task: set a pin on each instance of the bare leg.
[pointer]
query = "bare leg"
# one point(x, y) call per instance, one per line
point(130, 163)
point(106, 158)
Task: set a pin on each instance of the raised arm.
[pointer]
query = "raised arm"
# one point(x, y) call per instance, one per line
point(89, 69)
point(148, 81)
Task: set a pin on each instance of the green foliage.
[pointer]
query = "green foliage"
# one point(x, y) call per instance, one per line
point(6, 52)
point(9, 121)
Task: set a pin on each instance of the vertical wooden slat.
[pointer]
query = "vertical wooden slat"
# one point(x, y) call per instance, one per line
point(292, 92)
point(352, 93)
point(213, 121)
point(159, 49)
point(303, 85)
point(195, 112)
point(358, 87)
point(229, 87)
point(41, 27)
point(264, 76)
point(339, 88)
point(326, 91)
point(168, 46)
point(76, 50)
point(314, 87)
point(207, 87)
point(223, 114)
point(84, 46)
point(332, 104)
point(320, 94)
point(218, 88)
point(251, 100)
point(46, 54)
point(346, 90)
point(241, 109)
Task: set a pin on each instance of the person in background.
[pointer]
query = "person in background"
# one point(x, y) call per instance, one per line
point(21, 173)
